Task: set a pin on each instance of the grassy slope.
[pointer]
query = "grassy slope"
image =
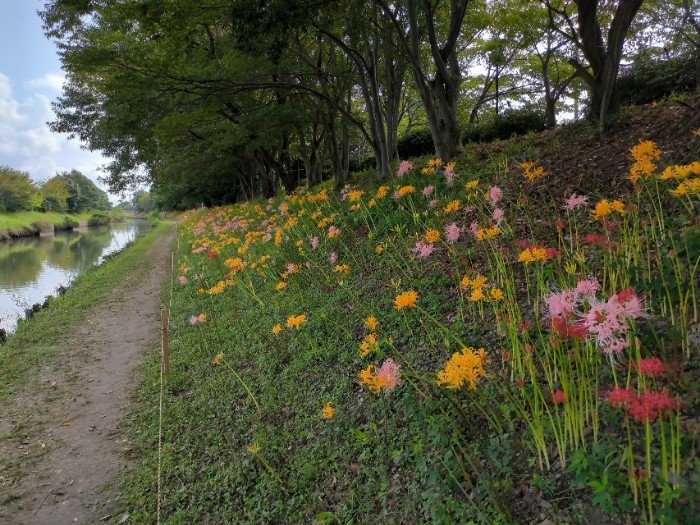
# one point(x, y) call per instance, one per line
point(39, 339)
point(399, 458)
point(14, 221)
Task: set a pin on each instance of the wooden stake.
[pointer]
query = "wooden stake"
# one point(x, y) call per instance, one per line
point(166, 347)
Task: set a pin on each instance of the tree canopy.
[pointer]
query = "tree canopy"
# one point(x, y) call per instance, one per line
point(17, 191)
point(80, 193)
point(217, 101)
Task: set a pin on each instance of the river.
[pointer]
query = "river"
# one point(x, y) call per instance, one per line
point(33, 268)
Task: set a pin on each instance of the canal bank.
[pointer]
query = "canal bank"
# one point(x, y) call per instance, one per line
point(21, 224)
point(64, 382)
point(33, 268)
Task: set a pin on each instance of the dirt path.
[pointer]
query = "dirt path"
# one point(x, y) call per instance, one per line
point(64, 436)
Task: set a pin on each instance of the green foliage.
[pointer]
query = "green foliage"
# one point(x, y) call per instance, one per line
point(52, 203)
point(144, 201)
point(416, 143)
point(70, 223)
point(600, 469)
point(117, 214)
point(99, 218)
point(366, 164)
point(17, 191)
point(505, 125)
point(652, 80)
point(55, 193)
point(83, 194)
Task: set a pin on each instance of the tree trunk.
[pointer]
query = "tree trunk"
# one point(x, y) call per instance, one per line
point(442, 119)
point(697, 64)
point(394, 73)
point(609, 100)
point(439, 95)
point(690, 16)
point(267, 177)
point(370, 93)
point(313, 175)
point(550, 112)
point(345, 150)
point(337, 155)
point(604, 56)
point(309, 152)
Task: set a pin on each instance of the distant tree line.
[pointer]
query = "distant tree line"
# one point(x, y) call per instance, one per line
point(211, 101)
point(70, 192)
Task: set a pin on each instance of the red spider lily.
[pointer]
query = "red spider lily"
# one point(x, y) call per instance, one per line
point(652, 367)
point(559, 397)
point(598, 240)
point(644, 407)
point(568, 331)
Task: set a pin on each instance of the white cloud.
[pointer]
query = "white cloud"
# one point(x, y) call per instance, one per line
point(53, 81)
point(9, 107)
point(27, 143)
point(40, 141)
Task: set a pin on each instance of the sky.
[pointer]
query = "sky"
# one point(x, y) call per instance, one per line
point(30, 79)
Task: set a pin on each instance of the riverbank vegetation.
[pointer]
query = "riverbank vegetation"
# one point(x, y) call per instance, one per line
point(490, 340)
point(30, 223)
point(401, 316)
point(60, 203)
point(68, 192)
point(14, 223)
point(38, 340)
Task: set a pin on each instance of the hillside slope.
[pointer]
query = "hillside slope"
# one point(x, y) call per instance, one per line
point(469, 343)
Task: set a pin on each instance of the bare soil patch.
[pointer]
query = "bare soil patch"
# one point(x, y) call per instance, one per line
point(63, 437)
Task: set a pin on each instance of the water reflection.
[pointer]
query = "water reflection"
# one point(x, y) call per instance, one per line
point(33, 268)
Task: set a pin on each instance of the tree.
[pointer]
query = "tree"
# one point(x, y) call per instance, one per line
point(670, 28)
point(691, 18)
point(368, 39)
point(512, 29)
point(55, 194)
point(144, 201)
point(83, 193)
point(17, 191)
point(429, 33)
point(216, 100)
point(602, 55)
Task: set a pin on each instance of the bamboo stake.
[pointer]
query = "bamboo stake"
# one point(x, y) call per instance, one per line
point(166, 347)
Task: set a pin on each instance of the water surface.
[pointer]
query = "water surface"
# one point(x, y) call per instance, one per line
point(32, 268)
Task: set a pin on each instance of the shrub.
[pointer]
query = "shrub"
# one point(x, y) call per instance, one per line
point(52, 203)
point(649, 80)
point(44, 226)
point(69, 223)
point(118, 215)
point(99, 218)
point(505, 125)
point(358, 164)
point(416, 143)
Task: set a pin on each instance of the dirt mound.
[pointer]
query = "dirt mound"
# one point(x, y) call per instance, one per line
point(577, 158)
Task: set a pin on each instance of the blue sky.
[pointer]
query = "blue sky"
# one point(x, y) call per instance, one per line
point(30, 79)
